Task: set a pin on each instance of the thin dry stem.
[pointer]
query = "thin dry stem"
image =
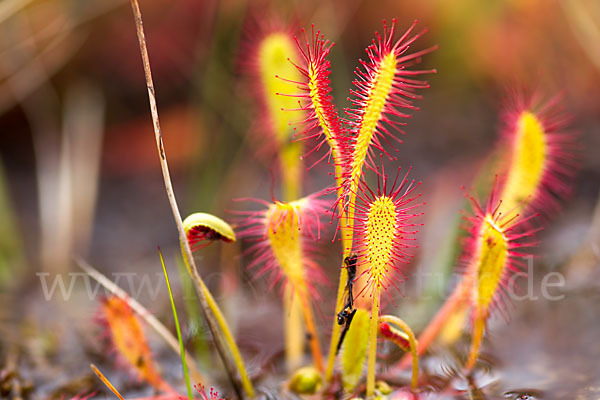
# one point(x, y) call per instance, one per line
point(10, 7)
point(140, 310)
point(198, 283)
point(105, 380)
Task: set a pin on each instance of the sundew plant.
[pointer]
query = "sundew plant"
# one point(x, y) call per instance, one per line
point(337, 338)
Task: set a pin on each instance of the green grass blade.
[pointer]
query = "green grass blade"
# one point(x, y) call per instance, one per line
point(183, 363)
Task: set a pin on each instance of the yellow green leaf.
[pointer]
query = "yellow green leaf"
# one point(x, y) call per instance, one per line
point(209, 227)
point(354, 349)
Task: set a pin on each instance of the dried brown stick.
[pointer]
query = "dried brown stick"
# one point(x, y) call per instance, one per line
point(231, 371)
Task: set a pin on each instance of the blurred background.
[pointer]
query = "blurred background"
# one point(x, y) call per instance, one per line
point(79, 173)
